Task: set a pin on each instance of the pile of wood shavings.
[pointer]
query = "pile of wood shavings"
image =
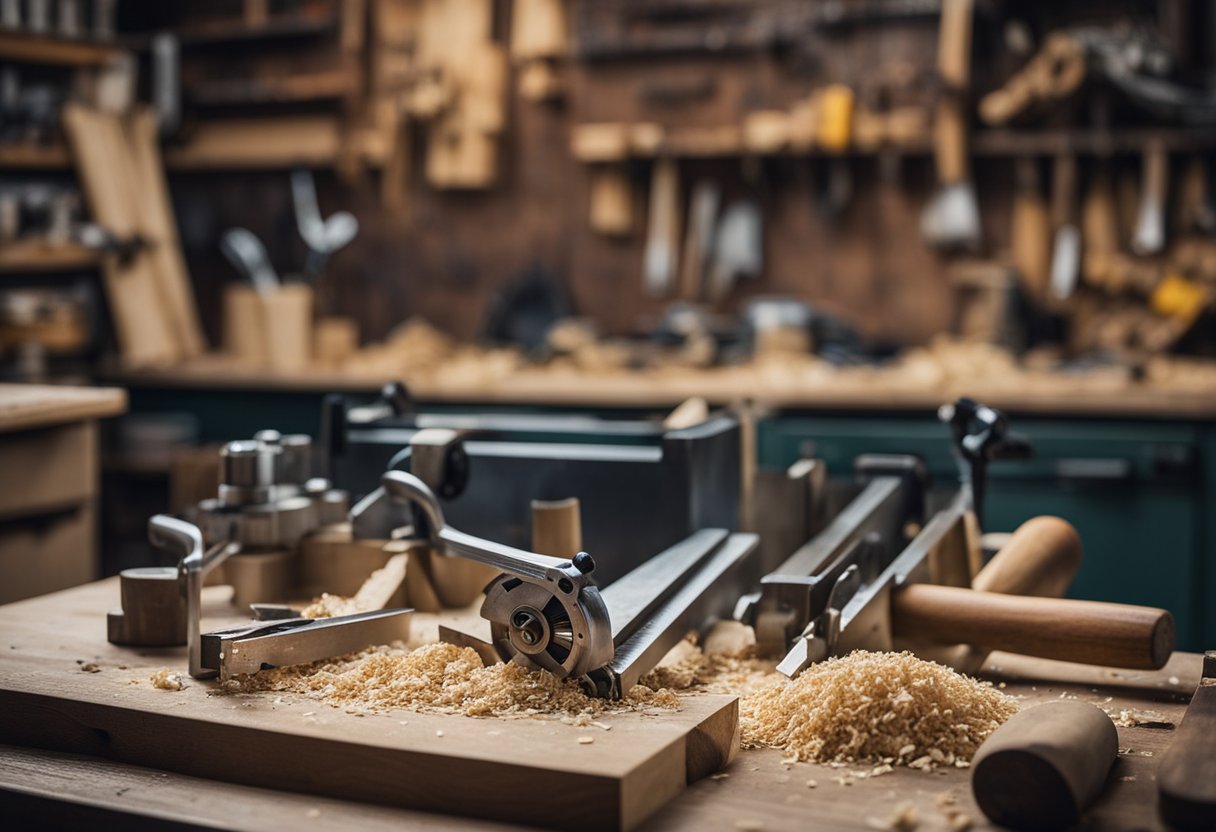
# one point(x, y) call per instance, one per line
point(331, 606)
point(736, 673)
point(888, 708)
point(443, 678)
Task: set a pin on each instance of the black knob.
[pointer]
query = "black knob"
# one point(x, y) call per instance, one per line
point(584, 563)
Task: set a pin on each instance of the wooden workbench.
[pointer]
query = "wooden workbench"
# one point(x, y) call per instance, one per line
point(840, 391)
point(58, 785)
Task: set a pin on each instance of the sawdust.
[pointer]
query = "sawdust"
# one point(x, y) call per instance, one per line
point(688, 667)
point(331, 606)
point(443, 678)
point(166, 680)
point(887, 708)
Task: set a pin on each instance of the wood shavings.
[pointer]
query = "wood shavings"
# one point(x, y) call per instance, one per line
point(586, 740)
point(1136, 718)
point(331, 606)
point(904, 820)
point(166, 680)
point(443, 678)
point(90, 667)
point(837, 711)
point(737, 673)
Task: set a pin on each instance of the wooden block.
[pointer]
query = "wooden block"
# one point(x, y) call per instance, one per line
point(766, 131)
point(194, 475)
point(262, 577)
point(457, 582)
point(335, 340)
point(611, 201)
point(243, 336)
point(153, 611)
point(606, 142)
point(557, 527)
point(539, 29)
point(626, 775)
point(331, 561)
point(287, 325)
point(384, 588)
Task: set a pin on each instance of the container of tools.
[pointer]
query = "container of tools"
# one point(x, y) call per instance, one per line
point(271, 328)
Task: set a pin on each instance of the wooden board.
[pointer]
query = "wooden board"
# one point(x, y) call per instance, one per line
point(107, 173)
point(756, 791)
point(24, 406)
point(530, 771)
point(160, 227)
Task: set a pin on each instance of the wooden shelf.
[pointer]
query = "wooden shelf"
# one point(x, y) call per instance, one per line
point(318, 86)
point(34, 157)
point(1013, 142)
point(224, 32)
point(38, 256)
point(29, 48)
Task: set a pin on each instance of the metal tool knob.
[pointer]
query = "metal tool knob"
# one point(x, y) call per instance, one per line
point(293, 463)
point(240, 464)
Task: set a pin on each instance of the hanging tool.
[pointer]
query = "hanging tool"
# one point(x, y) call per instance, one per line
point(323, 236)
point(738, 248)
point(1066, 246)
point(1150, 223)
point(254, 647)
point(546, 612)
point(245, 251)
point(1030, 235)
point(703, 206)
point(663, 228)
point(952, 218)
point(1186, 777)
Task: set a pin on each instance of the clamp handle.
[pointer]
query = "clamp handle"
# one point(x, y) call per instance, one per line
point(981, 434)
point(405, 488)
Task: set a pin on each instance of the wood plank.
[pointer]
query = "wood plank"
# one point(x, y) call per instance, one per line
point(312, 141)
point(158, 224)
point(28, 47)
point(107, 174)
point(25, 155)
point(25, 406)
point(758, 791)
point(432, 762)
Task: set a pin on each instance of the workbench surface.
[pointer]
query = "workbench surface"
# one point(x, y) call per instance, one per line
point(842, 391)
point(757, 790)
point(24, 406)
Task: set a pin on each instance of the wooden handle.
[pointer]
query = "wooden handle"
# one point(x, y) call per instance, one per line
point(1064, 190)
point(1089, 632)
point(557, 528)
point(950, 142)
point(954, 43)
point(1041, 559)
point(1043, 767)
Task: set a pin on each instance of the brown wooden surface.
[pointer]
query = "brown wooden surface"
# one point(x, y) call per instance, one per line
point(24, 406)
point(758, 791)
point(668, 390)
point(28, 47)
point(432, 762)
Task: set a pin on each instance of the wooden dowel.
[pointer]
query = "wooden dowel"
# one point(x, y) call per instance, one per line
point(557, 529)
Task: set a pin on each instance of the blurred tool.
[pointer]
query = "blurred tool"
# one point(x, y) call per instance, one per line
point(1150, 222)
point(524, 310)
point(834, 135)
point(1030, 236)
point(952, 218)
point(698, 244)
point(166, 82)
point(663, 228)
point(1045, 766)
point(323, 236)
point(738, 248)
point(1066, 246)
point(1186, 777)
point(245, 251)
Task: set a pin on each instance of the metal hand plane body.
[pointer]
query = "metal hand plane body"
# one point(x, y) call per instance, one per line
point(548, 613)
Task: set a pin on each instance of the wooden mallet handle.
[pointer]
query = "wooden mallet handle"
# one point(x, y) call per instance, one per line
point(1089, 632)
point(1041, 558)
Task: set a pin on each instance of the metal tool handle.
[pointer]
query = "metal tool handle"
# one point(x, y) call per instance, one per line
point(1089, 632)
point(406, 489)
point(177, 537)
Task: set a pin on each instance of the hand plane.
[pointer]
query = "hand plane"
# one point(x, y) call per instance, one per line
point(880, 572)
point(546, 612)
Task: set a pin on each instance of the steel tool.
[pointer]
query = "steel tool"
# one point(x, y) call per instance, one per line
point(1186, 777)
point(546, 612)
point(860, 583)
point(245, 251)
point(253, 647)
point(324, 236)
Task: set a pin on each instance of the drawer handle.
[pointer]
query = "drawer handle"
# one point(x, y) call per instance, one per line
point(1094, 471)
